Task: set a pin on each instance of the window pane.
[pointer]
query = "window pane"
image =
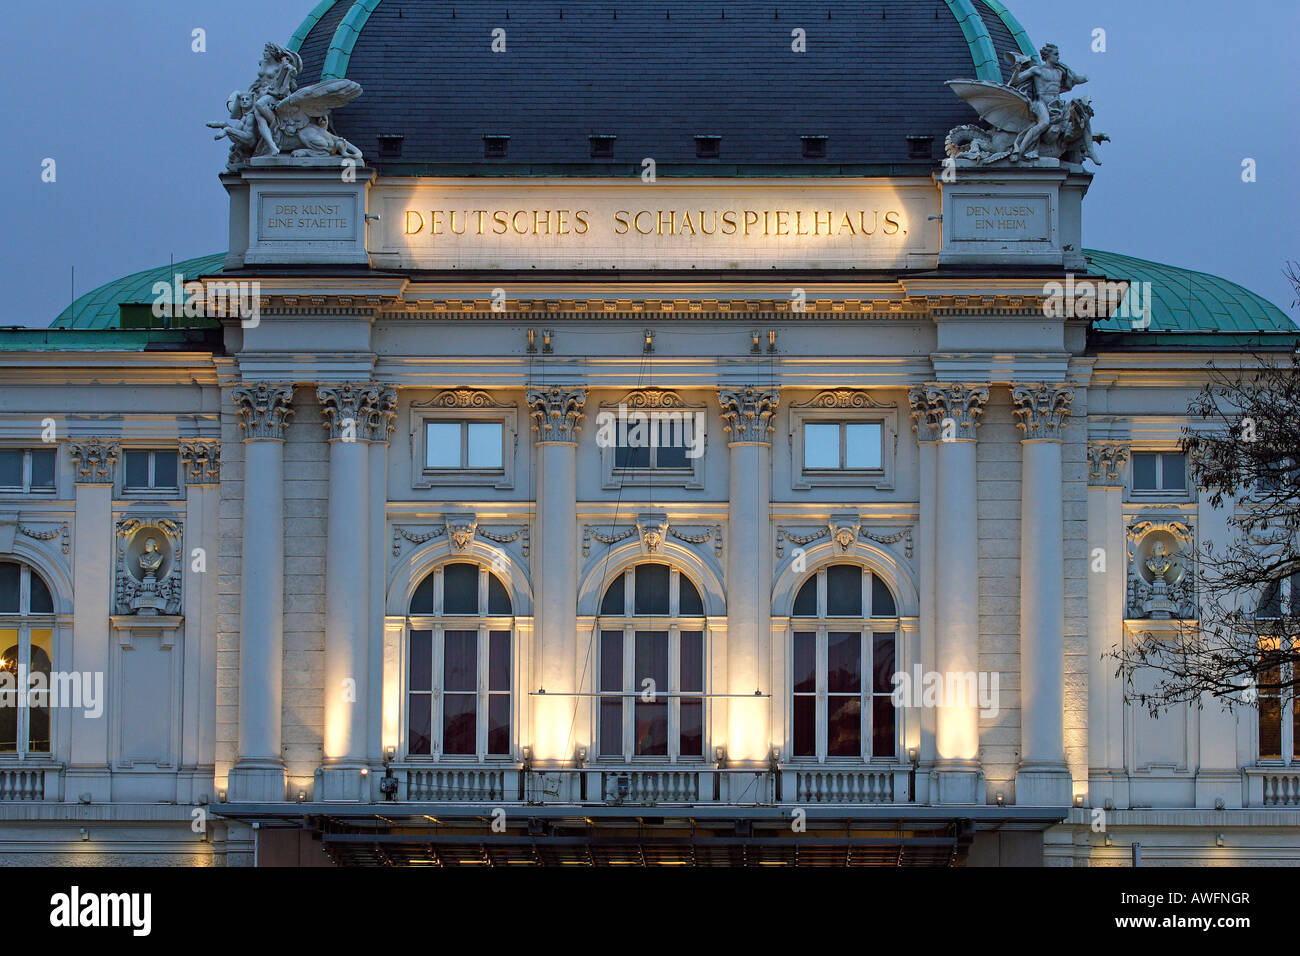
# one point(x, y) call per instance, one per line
point(484, 444)
point(460, 589)
point(420, 665)
point(137, 469)
point(164, 469)
point(11, 467)
point(9, 710)
point(1144, 472)
point(882, 727)
point(9, 579)
point(805, 725)
point(844, 727)
point(821, 445)
point(688, 599)
point(844, 590)
point(611, 728)
point(671, 457)
point(1270, 727)
point(499, 661)
point(612, 603)
point(1175, 473)
point(805, 662)
point(651, 662)
point(844, 662)
point(38, 717)
point(862, 445)
point(805, 603)
point(442, 445)
point(882, 601)
point(39, 601)
point(611, 660)
point(882, 663)
point(42, 468)
point(691, 677)
point(692, 723)
point(632, 457)
point(459, 723)
point(460, 661)
point(498, 598)
point(422, 599)
point(498, 724)
point(651, 582)
point(651, 728)
point(420, 725)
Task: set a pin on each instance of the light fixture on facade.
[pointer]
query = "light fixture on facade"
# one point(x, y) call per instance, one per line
point(302, 796)
point(720, 756)
point(1218, 840)
point(913, 757)
point(1078, 800)
point(365, 771)
point(390, 753)
point(999, 799)
point(581, 757)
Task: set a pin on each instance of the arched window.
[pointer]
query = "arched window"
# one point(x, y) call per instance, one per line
point(651, 666)
point(459, 665)
point(843, 658)
point(26, 650)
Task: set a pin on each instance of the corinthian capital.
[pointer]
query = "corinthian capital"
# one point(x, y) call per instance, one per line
point(1105, 459)
point(955, 410)
point(353, 411)
point(264, 409)
point(201, 461)
point(1041, 410)
point(94, 459)
point(382, 420)
point(926, 418)
point(747, 414)
point(557, 413)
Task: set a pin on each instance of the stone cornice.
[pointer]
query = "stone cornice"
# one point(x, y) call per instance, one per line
point(94, 459)
point(1041, 411)
point(264, 409)
point(747, 413)
point(557, 413)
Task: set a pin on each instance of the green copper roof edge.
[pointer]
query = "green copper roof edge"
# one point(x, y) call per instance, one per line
point(1011, 23)
point(304, 29)
point(101, 303)
point(977, 36)
point(345, 38)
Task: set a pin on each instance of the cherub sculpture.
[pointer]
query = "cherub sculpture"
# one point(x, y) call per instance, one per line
point(1027, 116)
point(273, 116)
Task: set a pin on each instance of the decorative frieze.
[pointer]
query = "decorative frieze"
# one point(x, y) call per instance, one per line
point(1041, 410)
point(747, 413)
point(201, 461)
point(557, 413)
point(654, 529)
point(842, 398)
point(462, 529)
point(1105, 460)
point(264, 409)
point(463, 398)
point(845, 532)
point(148, 569)
point(94, 459)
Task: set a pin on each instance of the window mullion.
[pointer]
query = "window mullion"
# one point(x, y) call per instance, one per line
point(823, 705)
point(436, 692)
point(481, 687)
point(23, 723)
point(629, 683)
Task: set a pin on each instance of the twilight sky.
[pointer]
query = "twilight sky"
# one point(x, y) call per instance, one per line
point(111, 91)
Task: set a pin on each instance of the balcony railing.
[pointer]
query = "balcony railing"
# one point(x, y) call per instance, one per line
point(22, 784)
point(1268, 787)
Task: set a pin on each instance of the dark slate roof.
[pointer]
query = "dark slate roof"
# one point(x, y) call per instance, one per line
point(655, 73)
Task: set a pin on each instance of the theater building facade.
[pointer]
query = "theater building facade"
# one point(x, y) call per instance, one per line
point(666, 445)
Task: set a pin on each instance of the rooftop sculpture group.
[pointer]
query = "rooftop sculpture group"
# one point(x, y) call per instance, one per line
point(1026, 117)
point(273, 116)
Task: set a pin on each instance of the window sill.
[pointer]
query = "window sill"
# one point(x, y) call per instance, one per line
point(447, 477)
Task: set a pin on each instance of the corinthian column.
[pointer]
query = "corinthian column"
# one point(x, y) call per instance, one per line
point(557, 419)
point(926, 424)
point(347, 409)
point(264, 412)
point(957, 409)
point(747, 419)
point(1042, 779)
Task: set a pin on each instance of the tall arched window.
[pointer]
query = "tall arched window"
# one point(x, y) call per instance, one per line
point(459, 665)
point(843, 658)
point(651, 666)
point(26, 649)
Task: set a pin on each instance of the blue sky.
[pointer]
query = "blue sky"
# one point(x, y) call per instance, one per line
point(111, 90)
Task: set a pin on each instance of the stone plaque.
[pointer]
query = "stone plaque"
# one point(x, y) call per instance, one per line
point(1001, 218)
point(305, 218)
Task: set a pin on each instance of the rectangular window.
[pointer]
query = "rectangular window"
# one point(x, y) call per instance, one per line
point(458, 691)
point(842, 446)
point(27, 469)
point(1278, 713)
point(842, 694)
point(464, 446)
point(25, 730)
point(1159, 472)
point(611, 682)
point(660, 444)
point(149, 471)
point(660, 704)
